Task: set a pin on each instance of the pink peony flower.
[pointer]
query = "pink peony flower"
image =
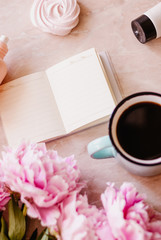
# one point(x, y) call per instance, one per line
point(78, 220)
point(41, 177)
point(4, 196)
point(49, 186)
point(128, 215)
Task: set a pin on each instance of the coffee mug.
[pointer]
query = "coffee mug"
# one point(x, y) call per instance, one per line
point(134, 135)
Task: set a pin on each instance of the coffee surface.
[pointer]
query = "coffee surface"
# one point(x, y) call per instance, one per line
point(139, 130)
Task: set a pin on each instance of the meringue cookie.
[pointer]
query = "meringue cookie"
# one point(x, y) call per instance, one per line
point(58, 17)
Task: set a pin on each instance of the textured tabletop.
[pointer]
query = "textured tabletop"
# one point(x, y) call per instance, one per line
point(105, 25)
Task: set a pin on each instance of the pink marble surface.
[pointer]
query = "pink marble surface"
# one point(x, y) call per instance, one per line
point(105, 25)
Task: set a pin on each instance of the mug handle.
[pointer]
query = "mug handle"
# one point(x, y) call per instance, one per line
point(101, 148)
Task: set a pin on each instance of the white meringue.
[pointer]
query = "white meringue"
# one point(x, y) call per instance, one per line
point(58, 17)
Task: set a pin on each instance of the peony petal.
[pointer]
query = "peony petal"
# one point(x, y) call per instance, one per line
point(41, 177)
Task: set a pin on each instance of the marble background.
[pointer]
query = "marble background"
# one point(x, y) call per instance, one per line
point(105, 25)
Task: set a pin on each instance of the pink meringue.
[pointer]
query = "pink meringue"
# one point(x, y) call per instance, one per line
point(58, 17)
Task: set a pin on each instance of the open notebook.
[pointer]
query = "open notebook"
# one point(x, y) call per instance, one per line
point(71, 95)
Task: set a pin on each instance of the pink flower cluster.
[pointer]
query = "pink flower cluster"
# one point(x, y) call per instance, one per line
point(125, 216)
point(50, 187)
point(128, 215)
point(4, 196)
point(41, 177)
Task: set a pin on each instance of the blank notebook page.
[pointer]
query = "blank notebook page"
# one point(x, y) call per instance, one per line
point(80, 89)
point(28, 110)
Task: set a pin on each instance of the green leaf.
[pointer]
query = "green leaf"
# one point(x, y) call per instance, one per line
point(3, 236)
point(24, 210)
point(43, 235)
point(3, 225)
point(34, 235)
point(50, 237)
point(17, 223)
point(3, 233)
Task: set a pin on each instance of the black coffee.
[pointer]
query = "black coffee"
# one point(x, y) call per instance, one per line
point(139, 130)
